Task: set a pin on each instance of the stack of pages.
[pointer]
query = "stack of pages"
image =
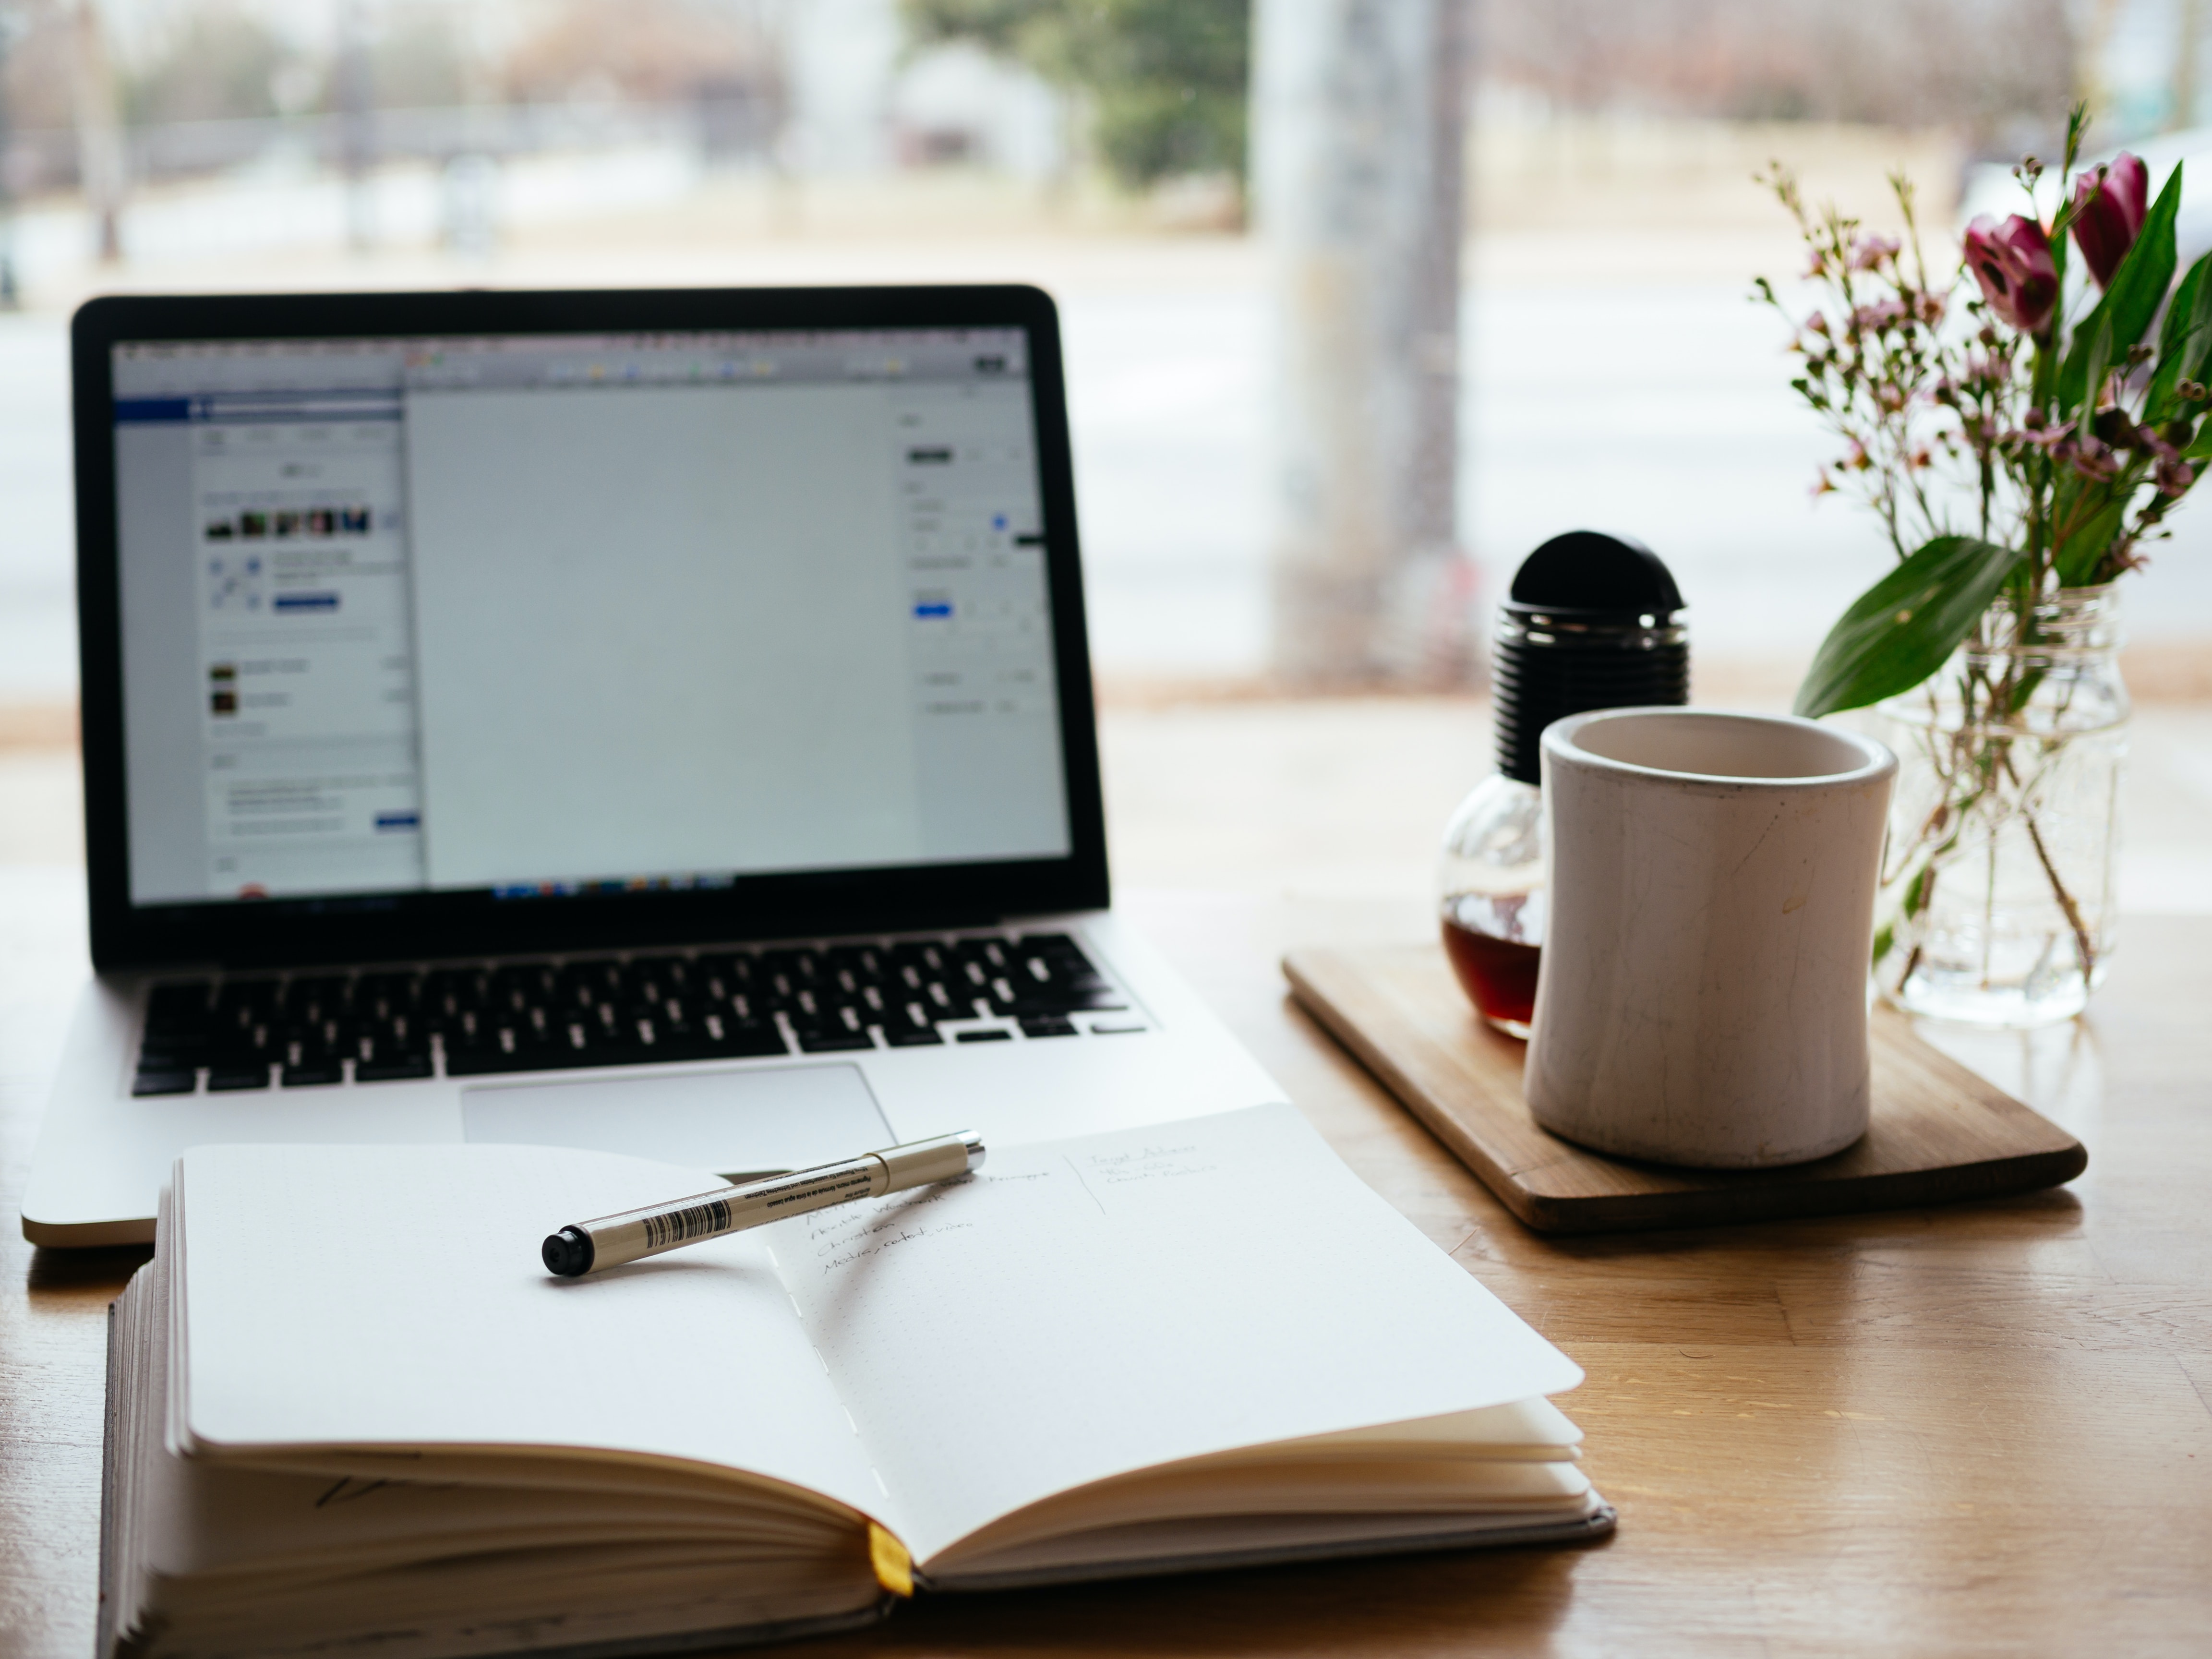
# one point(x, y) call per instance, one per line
point(349, 1408)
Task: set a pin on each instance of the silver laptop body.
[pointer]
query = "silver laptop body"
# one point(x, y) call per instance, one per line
point(658, 722)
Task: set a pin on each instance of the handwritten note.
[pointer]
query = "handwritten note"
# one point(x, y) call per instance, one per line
point(839, 1244)
point(1150, 1162)
point(853, 1233)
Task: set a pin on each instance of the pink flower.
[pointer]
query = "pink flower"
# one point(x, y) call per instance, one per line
point(2047, 439)
point(2012, 263)
point(2174, 476)
point(2096, 461)
point(1874, 319)
point(1871, 252)
point(2108, 213)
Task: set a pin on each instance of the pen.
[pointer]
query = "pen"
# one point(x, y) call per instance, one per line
point(612, 1240)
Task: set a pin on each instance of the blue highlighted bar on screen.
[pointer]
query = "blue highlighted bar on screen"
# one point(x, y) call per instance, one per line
point(305, 602)
point(133, 410)
point(398, 820)
point(934, 608)
point(264, 408)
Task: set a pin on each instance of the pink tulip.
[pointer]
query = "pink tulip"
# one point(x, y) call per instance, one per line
point(2012, 263)
point(2108, 213)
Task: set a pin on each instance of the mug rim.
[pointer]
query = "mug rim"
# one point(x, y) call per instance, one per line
point(1559, 744)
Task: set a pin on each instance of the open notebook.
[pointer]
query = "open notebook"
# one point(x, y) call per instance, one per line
point(349, 1410)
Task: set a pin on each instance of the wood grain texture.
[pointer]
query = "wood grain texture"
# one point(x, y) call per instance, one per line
point(1939, 1132)
point(1980, 1429)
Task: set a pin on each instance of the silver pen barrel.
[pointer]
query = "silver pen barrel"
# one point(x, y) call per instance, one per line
point(632, 1235)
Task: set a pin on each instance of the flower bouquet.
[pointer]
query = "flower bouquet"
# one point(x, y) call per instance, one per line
point(2021, 449)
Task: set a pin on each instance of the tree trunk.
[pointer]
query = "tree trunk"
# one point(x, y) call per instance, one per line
point(99, 158)
point(1359, 122)
point(9, 296)
point(356, 111)
point(2189, 24)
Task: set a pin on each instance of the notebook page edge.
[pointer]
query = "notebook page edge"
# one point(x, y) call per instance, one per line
point(226, 1278)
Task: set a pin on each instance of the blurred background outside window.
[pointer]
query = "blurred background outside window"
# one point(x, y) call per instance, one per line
point(1362, 298)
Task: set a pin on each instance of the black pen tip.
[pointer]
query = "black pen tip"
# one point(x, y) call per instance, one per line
point(568, 1253)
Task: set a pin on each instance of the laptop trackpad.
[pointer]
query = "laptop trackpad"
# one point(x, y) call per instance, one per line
point(787, 1117)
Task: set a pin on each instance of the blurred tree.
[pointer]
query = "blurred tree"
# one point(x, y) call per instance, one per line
point(417, 61)
point(100, 163)
point(353, 94)
point(652, 51)
point(1166, 81)
point(41, 48)
point(1359, 143)
point(11, 25)
point(1981, 66)
point(38, 89)
point(2189, 27)
point(221, 65)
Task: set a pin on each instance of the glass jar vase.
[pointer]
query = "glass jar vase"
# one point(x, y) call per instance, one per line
point(1998, 893)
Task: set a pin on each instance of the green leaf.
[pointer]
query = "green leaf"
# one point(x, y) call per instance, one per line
point(2201, 449)
point(2131, 301)
point(2183, 341)
point(1915, 893)
point(2100, 363)
point(1900, 630)
point(2077, 557)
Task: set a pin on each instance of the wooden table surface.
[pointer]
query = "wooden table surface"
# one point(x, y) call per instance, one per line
point(1976, 1430)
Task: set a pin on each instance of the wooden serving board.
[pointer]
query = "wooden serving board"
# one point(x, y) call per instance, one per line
point(1939, 1133)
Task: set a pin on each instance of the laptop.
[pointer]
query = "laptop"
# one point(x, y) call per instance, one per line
point(652, 721)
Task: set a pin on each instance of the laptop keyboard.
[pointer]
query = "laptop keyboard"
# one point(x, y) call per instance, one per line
point(316, 1028)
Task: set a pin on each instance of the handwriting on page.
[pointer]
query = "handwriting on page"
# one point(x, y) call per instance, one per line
point(840, 1237)
point(1148, 1163)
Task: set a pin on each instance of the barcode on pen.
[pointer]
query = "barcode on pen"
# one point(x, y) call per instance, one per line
point(678, 1225)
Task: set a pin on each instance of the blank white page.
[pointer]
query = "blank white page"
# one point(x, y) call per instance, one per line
point(1084, 1308)
point(660, 629)
point(393, 1295)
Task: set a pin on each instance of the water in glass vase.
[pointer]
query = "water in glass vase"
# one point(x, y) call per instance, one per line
point(1998, 881)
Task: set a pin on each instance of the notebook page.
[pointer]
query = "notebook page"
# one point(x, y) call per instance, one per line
point(392, 1296)
point(1084, 1308)
point(192, 1516)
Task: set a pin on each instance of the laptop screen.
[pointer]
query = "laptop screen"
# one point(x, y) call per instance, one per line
point(549, 615)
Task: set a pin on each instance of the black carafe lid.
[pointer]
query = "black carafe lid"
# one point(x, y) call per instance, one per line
point(1594, 621)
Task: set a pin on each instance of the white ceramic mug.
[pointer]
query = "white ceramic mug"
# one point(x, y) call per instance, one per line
point(1702, 997)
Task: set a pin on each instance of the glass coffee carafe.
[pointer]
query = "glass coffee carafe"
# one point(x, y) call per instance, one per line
point(1593, 621)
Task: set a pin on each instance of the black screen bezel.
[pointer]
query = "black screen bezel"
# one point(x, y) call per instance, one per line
point(396, 927)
